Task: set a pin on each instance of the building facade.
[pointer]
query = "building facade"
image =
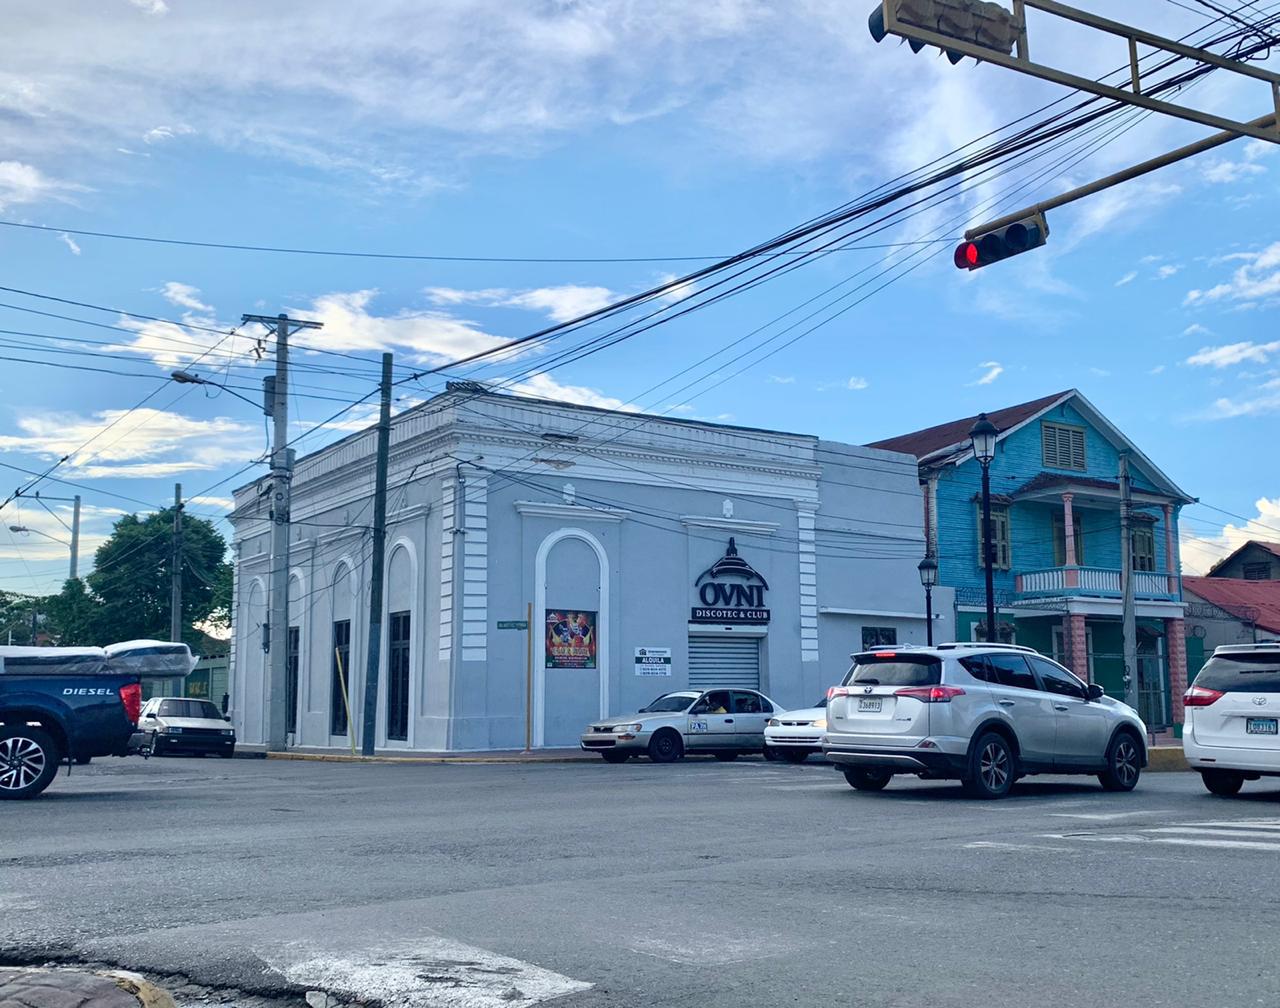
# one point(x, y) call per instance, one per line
point(1057, 536)
point(1254, 561)
point(645, 554)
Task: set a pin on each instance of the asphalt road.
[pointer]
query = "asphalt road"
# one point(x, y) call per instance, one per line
point(698, 884)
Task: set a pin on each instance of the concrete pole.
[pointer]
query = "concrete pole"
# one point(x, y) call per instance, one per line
point(75, 538)
point(175, 569)
point(1129, 628)
point(281, 480)
point(367, 739)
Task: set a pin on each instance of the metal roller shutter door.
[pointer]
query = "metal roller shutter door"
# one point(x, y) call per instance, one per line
point(724, 661)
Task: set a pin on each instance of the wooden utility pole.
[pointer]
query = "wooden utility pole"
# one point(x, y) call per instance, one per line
point(175, 569)
point(377, 576)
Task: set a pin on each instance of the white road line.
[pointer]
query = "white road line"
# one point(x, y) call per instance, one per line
point(1220, 833)
point(1107, 816)
point(994, 845)
point(1251, 824)
point(429, 972)
point(1129, 838)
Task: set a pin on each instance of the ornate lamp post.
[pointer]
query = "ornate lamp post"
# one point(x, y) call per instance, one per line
point(983, 439)
point(928, 577)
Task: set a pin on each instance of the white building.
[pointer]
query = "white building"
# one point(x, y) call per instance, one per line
point(747, 557)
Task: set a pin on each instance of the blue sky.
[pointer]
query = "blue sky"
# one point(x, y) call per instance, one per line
point(585, 130)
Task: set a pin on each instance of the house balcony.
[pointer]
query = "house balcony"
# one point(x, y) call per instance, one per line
point(1095, 582)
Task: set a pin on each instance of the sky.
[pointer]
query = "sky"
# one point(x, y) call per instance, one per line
point(592, 129)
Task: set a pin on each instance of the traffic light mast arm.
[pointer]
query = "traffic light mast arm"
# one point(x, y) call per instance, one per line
point(1182, 153)
point(894, 25)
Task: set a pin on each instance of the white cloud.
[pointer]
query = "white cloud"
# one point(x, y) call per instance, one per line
point(1196, 329)
point(1158, 369)
point(1128, 278)
point(24, 183)
point(1230, 172)
point(1117, 208)
point(142, 443)
point(154, 7)
point(1164, 272)
point(782, 379)
point(221, 503)
point(1256, 280)
point(561, 304)
point(1251, 404)
point(1233, 353)
point(49, 538)
point(1100, 372)
point(162, 133)
point(1200, 552)
point(543, 386)
point(994, 369)
point(853, 384)
point(184, 296)
point(70, 243)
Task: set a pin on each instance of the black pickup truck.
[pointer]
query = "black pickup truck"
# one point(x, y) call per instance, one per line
point(56, 706)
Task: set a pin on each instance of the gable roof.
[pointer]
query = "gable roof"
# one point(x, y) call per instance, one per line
point(1251, 601)
point(933, 440)
point(949, 444)
point(1270, 547)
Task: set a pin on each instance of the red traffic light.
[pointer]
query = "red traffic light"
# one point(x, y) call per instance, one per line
point(967, 255)
point(1003, 243)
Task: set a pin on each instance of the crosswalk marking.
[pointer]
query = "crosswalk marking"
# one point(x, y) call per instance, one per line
point(1129, 838)
point(1235, 834)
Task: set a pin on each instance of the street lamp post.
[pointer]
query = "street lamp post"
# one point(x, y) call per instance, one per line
point(928, 577)
point(983, 440)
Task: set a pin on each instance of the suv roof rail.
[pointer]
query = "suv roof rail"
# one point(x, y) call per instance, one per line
point(1258, 646)
point(980, 646)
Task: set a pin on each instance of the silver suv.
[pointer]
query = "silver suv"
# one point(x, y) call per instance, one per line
point(982, 714)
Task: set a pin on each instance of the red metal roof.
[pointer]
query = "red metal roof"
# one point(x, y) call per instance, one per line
point(923, 443)
point(1240, 598)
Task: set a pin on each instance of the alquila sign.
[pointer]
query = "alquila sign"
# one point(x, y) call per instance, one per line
point(730, 591)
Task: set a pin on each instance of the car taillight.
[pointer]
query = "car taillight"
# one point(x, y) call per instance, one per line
point(1201, 696)
point(837, 691)
point(930, 694)
point(131, 697)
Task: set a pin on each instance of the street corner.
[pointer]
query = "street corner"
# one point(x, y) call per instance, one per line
point(63, 988)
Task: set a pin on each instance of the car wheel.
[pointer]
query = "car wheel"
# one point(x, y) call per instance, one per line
point(229, 753)
point(614, 756)
point(772, 753)
point(1124, 764)
point(868, 780)
point(156, 748)
point(28, 761)
point(726, 757)
point(991, 767)
point(795, 755)
point(666, 746)
point(1223, 782)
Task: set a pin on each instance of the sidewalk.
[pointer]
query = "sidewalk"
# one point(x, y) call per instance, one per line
point(39, 988)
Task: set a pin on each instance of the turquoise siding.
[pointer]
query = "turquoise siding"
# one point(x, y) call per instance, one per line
point(1018, 460)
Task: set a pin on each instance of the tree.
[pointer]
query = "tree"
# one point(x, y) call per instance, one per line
point(16, 612)
point(131, 577)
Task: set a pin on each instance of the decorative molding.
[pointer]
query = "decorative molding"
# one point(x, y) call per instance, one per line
point(409, 513)
point(551, 509)
point(331, 537)
point(729, 524)
point(874, 613)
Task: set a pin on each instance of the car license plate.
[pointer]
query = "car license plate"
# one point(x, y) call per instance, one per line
point(1261, 726)
point(870, 705)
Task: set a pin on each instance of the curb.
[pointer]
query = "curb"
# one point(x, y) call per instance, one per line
point(108, 989)
point(436, 760)
point(1166, 759)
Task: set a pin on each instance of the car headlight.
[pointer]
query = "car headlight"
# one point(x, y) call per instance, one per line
point(172, 731)
point(625, 729)
point(228, 731)
point(820, 723)
point(774, 722)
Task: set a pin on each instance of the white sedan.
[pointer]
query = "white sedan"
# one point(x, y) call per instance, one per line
point(794, 735)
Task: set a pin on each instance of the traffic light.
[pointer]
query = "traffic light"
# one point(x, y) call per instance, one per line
point(1003, 243)
point(987, 25)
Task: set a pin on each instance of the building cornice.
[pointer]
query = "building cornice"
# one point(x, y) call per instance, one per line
point(579, 512)
point(729, 524)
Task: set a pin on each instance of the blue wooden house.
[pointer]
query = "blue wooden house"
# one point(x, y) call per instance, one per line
point(1056, 530)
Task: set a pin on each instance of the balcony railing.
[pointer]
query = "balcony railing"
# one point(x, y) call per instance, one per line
point(1098, 581)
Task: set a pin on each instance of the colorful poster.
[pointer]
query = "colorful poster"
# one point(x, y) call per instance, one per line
point(570, 639)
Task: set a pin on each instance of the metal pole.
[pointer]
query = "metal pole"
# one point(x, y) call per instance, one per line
point(1129, 629)
point(928, 616)
point(281, 480)
point(75, 538)
point(175, 569)
point(528, 677)
point(376, 577)
point(987, 550)
point(1128, 174)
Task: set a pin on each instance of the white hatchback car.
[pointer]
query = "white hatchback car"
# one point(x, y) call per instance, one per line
point(1232, 730)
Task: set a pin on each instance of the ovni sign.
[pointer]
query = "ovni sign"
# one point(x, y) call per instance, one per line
point(730, 591)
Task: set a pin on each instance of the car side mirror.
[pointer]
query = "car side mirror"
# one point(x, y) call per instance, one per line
point(148, 717)
point(1095, 692)
point(226, 717)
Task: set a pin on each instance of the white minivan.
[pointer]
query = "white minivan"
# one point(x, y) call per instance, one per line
point(1232, 729)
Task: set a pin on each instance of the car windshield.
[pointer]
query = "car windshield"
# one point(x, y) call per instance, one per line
point(189, 709)
point(895, 670)
point(669, 703)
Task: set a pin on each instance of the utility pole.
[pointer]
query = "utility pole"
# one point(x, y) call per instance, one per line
point(367, 738)
point(281, 477)
point(75, 538)
point(1129, 629)
point(175, 569)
